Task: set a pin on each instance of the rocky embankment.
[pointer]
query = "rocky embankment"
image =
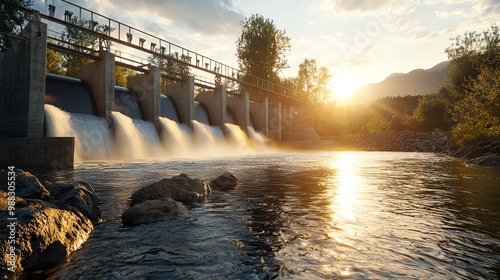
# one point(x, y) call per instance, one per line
point(167, 198)
point(405, 141)
point(485, 153)
point(42, 223)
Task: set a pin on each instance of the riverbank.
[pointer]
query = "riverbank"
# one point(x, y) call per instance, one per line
point(485, 153)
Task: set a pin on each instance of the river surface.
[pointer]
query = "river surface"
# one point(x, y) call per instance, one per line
point(324, 215)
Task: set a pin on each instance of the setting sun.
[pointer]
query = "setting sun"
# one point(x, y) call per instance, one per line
point(342, 86)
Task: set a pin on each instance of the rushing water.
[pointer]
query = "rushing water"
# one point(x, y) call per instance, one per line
point(328, 215)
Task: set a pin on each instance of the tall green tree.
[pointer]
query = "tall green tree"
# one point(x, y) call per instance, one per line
point(312, 82)
point(11, 19)
point(261, 48)
point(474, 82)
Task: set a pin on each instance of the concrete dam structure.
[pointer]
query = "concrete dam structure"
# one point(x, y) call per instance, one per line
point(52, 121)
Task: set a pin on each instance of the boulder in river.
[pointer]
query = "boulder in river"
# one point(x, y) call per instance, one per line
point(80, 195)
point(44, 232)
point(224, 182)
point(153, 211)
point(44, 224)
point(27, 185)
point(179, 188)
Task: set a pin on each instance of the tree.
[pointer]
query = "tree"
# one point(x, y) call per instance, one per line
point(11, 19)
point(54, 63)
point(170, 67)
point(121, 75)
point(474, 82)
point(261, 48)
point(312, 82)
point(83, 42)
point(429, 114)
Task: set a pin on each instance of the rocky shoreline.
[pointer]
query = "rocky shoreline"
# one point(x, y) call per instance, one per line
point(47, 222)
point(485, 153)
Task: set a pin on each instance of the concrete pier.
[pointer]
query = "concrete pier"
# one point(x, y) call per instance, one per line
point(183, 95)
point(146, 89)
point(260, 115)
point(240, 105)
point(215, 101)
point(22, 83)
point(100, 76)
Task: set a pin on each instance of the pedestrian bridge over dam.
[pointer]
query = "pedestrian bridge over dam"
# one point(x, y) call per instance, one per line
point(51, 120)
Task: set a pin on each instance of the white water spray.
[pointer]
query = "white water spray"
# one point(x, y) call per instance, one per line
point(135, 139)
point(93, 140)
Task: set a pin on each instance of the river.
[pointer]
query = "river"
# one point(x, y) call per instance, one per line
point(315, 215)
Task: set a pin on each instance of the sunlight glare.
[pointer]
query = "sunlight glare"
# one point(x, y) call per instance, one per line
point(343, 86)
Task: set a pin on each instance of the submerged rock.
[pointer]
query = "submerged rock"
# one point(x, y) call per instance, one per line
point(162, 200)
point(153, 211)
point(179, 188)
point(224, 182)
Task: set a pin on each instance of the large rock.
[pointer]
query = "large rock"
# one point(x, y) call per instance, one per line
point(488, 160)
point(153, 211)
point(179, 188)
point(224, 182)
point(80, 195)
point(44, 232)
point(26, 185)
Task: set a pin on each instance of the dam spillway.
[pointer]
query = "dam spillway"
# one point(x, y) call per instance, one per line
point(53, 120)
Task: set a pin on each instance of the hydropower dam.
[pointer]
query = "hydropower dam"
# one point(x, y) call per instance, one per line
point(52, 121)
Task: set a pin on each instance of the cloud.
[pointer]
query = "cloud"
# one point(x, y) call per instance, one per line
point(350, 6)
point(212, 18)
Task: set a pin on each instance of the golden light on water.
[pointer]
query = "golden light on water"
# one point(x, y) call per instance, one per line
point(345, 182)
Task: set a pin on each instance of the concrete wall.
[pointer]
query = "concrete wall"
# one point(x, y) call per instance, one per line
point(100, 76)
point(260, 115)
point(22, 84)
point(183, 96)
point(146, 89)
point(55, 152)
point(240, 105)
point(215, 102)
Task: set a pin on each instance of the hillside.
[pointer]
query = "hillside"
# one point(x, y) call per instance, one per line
point(416, 82)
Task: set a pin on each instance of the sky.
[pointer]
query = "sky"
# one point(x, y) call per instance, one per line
point(359, 41)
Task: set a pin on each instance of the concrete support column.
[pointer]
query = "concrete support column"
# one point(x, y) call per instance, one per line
point(215, 102)
point(280, 120)
point(22, 84)
point(183, 95)
point(291, 123)
point(260, 115)
point(240, 105)
point(100, 76)
point(146, 89)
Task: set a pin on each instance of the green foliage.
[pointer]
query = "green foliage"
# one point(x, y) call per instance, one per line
point(429, 115)
point(54, 63)
point(11, 19)
point(169, 67)
point(261, 48)
point(474, 82)
point(312, 82)
point(121, 75)
point(86, 43)
point(378, 124)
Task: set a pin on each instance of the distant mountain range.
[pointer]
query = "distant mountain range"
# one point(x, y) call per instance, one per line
point(416, 82)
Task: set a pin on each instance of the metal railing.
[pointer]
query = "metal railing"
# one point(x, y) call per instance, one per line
point(129, 36)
